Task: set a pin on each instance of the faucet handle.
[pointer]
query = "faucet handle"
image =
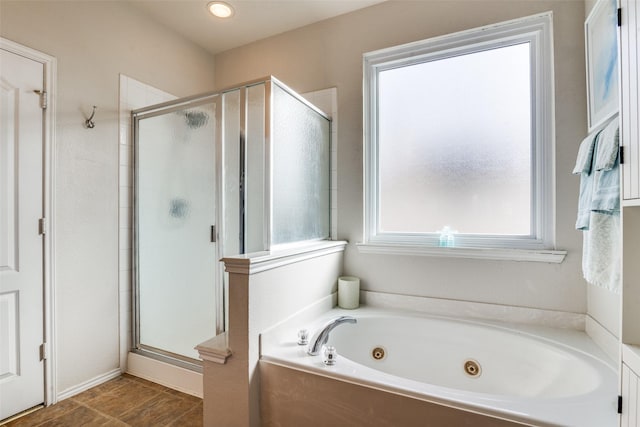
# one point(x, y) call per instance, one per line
point(330, 355)
point(303, 337)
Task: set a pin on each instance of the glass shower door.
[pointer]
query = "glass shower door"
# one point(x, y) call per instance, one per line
point(176, 259)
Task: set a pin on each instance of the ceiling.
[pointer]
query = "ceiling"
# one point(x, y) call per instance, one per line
point(253, 19)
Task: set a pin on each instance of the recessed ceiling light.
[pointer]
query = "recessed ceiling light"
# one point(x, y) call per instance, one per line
point(220, 9)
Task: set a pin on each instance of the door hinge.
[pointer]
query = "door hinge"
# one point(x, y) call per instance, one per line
point(619, 404)
point(44, 351)
point(214, 236)
point(42, 226)
point(622, 154)
point(619, 17)
point(43, 98)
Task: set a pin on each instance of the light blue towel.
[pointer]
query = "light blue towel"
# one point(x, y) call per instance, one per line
point(606, 185)
point(599, 209)
point(584, 202)
point(608, 146)
point(583, 166)
point(585, 155)
point(606, 190)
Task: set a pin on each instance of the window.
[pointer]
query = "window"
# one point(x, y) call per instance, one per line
point(459, 139)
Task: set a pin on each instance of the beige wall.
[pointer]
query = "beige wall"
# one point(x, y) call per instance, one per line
point(94, 42)
point(330, 54)
point(588, 7)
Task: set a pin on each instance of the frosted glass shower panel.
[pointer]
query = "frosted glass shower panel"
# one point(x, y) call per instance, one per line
point(254, 184)
point(300, 147)
point(232, 237)
point(176, 260)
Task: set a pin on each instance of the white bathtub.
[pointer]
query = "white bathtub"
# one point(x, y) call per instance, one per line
point(529, 374)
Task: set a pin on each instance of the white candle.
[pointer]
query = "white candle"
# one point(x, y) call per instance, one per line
point(348, 292)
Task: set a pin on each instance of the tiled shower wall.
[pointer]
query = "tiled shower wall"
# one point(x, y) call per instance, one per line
point(135, 95)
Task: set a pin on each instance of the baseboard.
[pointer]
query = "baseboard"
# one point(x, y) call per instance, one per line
point(88, 384)
point(175, 377)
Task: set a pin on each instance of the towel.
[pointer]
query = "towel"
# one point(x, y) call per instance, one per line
point(583, 167)
point(608, 146)
point(599, 207)
point(584, 202)
point(606, 189)
point(606, 183)
point(601, 252)
point(585, 155)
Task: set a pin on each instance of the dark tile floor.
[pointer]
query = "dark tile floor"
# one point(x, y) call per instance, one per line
point(124, 401)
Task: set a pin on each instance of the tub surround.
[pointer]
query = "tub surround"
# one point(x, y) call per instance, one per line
point(285, 366)
point(603, 338)
point(264, 289)
point(298, 398)
point(273, 295)
point(476, 310)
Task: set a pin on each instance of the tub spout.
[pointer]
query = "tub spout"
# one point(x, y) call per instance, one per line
point(321, 337)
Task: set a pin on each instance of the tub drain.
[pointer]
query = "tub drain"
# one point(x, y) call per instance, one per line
point(378, 353)
point(472, 368)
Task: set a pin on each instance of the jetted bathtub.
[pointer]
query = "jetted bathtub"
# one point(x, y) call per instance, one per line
point(524, 373)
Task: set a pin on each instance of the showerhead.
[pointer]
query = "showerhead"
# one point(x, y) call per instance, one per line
point(195, 119)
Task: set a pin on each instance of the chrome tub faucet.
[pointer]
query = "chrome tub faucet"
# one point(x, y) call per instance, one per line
point(321, 337)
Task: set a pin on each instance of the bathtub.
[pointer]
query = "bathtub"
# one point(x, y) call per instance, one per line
point(522, 373)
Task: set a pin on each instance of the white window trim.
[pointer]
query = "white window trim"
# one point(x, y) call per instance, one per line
point(536, 30)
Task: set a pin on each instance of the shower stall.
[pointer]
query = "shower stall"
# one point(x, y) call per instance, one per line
point(237, 171)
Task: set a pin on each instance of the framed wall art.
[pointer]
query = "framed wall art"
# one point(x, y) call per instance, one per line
point(601, 44)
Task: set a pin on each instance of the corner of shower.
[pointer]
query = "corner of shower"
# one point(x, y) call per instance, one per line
point(236, 171)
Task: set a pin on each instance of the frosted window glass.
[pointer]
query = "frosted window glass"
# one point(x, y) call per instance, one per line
point(300, 169)
point(455, 144)
point(175, 209)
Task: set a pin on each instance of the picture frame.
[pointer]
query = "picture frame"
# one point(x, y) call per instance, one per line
point(601, 46)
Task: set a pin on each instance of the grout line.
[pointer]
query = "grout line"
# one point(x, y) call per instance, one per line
point(159, 391)
point(91, 408)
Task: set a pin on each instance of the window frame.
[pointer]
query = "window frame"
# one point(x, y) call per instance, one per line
point(536, 30)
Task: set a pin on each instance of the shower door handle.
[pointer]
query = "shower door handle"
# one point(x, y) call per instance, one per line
point(213, 234)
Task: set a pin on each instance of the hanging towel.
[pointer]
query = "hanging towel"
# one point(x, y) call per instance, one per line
point(608, 146)
point(599, 208)
point(601, 252)
point(606, 184)
point(583, 167)
point(585, 155)
point(606, 190)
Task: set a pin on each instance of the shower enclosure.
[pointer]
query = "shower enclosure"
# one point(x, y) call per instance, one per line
point(237, 171)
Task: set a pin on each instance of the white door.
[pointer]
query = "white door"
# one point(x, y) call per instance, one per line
point(21, 244)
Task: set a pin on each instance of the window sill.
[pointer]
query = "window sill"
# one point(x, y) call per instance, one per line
point(531, 255)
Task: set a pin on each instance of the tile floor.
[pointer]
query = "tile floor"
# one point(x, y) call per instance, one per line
point(124, 401)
